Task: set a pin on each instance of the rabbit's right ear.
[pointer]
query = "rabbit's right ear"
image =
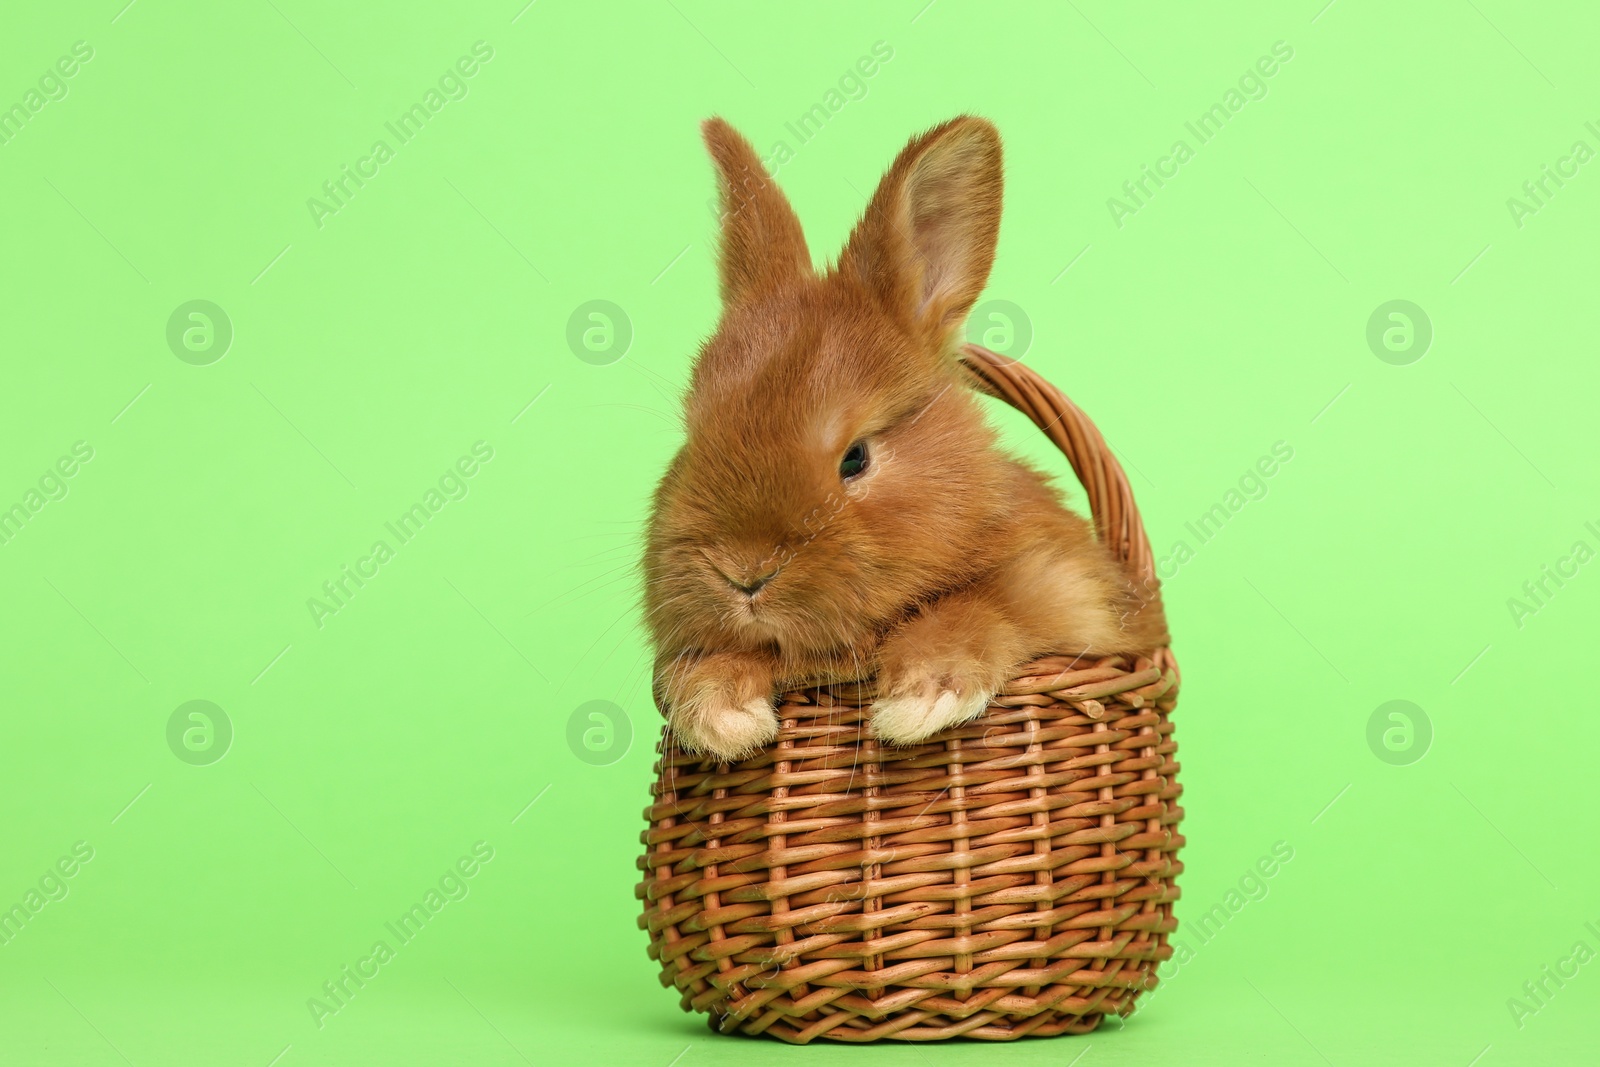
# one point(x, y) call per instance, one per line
point(927, 240)
point(763, 248)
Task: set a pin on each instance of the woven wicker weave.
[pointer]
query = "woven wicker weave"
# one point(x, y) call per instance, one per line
point(1014, 876)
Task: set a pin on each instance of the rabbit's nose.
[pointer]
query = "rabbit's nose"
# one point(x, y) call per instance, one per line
point(751, 581)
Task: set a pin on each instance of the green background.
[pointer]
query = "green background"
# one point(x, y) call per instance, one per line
point(369, 353)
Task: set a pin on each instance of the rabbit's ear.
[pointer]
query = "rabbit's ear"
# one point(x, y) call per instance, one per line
point(763, 247)
point(927, 240)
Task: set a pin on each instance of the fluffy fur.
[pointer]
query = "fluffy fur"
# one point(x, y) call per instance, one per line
point(938, 569)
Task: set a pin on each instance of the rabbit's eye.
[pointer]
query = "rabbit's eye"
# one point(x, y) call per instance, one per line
point(854, 461)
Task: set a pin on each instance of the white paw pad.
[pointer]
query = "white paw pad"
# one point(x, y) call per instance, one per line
point(906, 719)
point(729, 732)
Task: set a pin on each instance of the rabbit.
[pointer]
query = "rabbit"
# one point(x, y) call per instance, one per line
point(840, 509)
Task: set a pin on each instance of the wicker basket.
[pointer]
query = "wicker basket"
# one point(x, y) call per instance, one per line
point(1011, 877)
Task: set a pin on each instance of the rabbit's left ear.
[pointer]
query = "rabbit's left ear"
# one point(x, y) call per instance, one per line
point(763, 248)
point(927, 240)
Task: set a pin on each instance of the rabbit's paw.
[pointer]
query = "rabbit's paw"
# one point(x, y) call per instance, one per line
point(709, 723)
point(719, 704)
point(916, 709)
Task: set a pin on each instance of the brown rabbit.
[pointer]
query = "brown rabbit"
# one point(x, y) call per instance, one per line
point(839, 509)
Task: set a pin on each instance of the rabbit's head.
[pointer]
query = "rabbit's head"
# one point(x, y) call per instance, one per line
point(836, 470)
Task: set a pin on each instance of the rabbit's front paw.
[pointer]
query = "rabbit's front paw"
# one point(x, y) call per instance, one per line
point(917, 708)
point(719, 704)
point(709, 723)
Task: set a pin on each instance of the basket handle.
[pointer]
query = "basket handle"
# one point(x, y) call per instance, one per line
point(1116, 516)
